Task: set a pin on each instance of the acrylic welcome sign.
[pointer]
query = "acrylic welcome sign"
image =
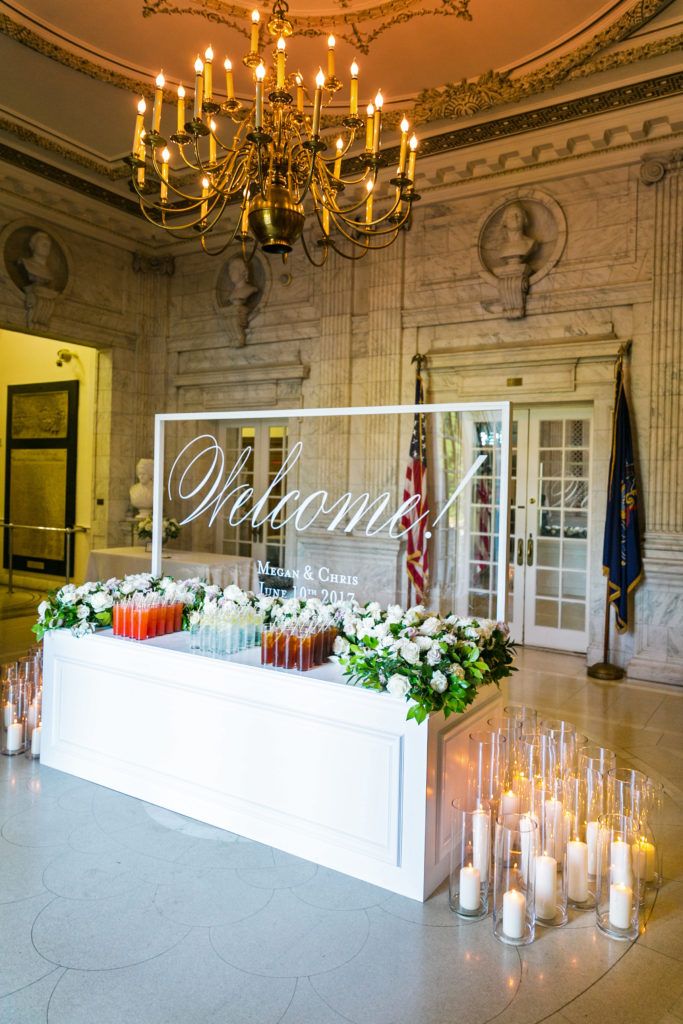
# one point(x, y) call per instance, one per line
point(388, 504)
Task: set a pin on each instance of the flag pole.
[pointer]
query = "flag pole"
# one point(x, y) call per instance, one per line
point(605, 669)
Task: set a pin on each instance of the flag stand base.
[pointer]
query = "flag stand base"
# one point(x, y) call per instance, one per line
point(605, 670)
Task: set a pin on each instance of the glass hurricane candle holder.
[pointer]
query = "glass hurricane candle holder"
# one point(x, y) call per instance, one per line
point(580, 881)
point(550, 867)
point(526, 716)
point(599, 759)
point(515, 852)
point(470, 863)
point(486, 767)
point(564, 739)
point(618, 881)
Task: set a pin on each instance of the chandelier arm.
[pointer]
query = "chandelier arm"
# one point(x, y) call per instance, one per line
point(309, 256)
point(346, 148)
point(362, 244)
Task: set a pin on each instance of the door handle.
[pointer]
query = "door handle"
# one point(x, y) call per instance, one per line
point(530, 551)
point(520, 552)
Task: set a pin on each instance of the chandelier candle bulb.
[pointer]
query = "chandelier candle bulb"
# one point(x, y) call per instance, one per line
point(338, 160)
point(281, 63)
point(577, 871)
point(245, 217)
point(326, 221)
point(158, 100)
point(299, 94)
point(369, 128)
point(353, 102)
point(258, 113)
point(141, 157)
point(229, 80)
point(412, 157)
point(205, 193)
point(368, 203)
point(331, 41)
point(165, 157)
point(404, 146)
point(212, 142)
point(139, 121)
point(255, 20)
point(198, 87)
point(181, 109)
point(377, 125)
point(317, 102)
point(208, 73)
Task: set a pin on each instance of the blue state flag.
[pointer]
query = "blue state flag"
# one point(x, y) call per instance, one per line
point(621, 559)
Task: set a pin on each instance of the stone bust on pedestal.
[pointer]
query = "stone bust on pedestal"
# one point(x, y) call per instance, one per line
point(141, 493)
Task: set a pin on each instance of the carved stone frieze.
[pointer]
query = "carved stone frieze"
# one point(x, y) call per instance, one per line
point(520, 241)
point(161, 265)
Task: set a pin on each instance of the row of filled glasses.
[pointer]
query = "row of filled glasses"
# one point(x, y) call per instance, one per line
point(144, 616)
point(570, 828)
point(299, 646)
point(21, 699)
point(224, 631)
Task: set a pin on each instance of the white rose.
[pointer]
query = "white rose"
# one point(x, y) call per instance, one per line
point(430, 626)
point(100, 601)
point(381, 630)
point(434, 655)
point(485, 629)
point(341, 646)
point(398, 686)
point(82, 611)
point(42, 610)
point(67, 595)
point(458, 671)
point(233, 593)
point(439, 682)
point(373, 609)
point(394, 613)
point(409, 651)
point(424, 643)
point(195, 618)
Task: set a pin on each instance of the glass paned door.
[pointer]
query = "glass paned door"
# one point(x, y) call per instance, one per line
point(550, 527)
point(263, 449)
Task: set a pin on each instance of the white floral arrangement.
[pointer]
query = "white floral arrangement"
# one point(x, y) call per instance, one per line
point(170, 528)
point(436, 663)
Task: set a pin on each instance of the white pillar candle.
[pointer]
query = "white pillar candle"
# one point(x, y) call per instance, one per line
point(35, 742)
point(15, 736)
point(620, 900)
point(481, 843)
point(10, 713)
point(514, 912)
point(644, 860)
point(577, 871)
point(526, 834)
point(509, 803)
point(32, 718)
point(620, 862)
point(592, 829)
point(545, 887)
point(554, 826)
point(470, 894)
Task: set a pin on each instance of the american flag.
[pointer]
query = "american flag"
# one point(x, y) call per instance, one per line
point(417, 559)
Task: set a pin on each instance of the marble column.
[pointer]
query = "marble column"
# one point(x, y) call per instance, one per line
point(659, 608)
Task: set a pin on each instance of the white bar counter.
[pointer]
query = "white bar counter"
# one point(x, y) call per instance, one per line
point(301, 761)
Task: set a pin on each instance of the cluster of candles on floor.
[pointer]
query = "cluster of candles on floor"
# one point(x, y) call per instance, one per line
point(223, 631)
point(146, 615)
point(21, 697)
point(550, 823)
point(298, 645)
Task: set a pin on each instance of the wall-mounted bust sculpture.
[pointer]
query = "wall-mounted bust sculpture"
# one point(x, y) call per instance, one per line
point(520, 241)
point(239, 290)
point(37, 266)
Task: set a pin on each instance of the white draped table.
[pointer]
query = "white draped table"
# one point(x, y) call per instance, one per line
point(300, 761)
point(103, 563)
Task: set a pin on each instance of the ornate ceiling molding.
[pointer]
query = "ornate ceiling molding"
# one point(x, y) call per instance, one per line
point(497, 87)
point(346, 23)
point(51, 145)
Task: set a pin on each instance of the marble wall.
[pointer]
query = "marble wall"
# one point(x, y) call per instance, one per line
point(606, 270)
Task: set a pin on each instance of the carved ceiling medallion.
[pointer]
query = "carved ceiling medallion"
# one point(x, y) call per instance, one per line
point(354, 21)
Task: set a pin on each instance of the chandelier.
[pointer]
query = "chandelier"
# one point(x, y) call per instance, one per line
point(268, 163)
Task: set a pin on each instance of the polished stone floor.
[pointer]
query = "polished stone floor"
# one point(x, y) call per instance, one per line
point(114, 911)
